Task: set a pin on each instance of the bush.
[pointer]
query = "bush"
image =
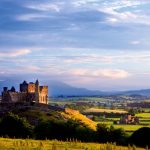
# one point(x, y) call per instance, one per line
point(63, 130)
point(110, 134)
point(141, 137)
point(13, 126)
point(117, 135)
point(102, 133)
point(52, 129)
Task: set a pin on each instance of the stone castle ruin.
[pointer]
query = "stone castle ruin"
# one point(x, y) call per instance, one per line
point(29, 92)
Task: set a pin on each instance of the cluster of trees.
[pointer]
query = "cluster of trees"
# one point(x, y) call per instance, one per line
point(12, 125)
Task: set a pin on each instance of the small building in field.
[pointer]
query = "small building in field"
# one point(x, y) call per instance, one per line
point(129, 119)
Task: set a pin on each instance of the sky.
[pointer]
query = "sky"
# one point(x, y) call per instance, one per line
point(94, 44)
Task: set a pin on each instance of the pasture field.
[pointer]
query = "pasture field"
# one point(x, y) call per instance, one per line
point(129, 128)
point(106, 122)
point(126, 127)
point(143, 115)
point(144, 118)
point(96, 110)
point(27, 144)
point(144, 121)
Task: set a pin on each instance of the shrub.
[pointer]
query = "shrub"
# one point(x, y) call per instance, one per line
point(14, 126)
point(110, 134)
point(102, 133)
point(141, 137)
point(63, 130)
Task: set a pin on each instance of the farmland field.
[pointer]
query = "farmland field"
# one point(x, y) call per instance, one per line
point(143, 115)
point(19, 144)
point(127, 128)
point(144, 118)
point(95, 110)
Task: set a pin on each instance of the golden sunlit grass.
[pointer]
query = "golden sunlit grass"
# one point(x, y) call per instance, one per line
point(28, 144)
point(75, 115)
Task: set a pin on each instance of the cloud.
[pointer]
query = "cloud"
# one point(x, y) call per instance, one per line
point(128, 11)
point(2, 72)
point(15, 53)
point(106, 73)
point(22, 70)
point(45, 7)
point(30, 17)
point(135, 42)
point(114, 74)
point(87, 59)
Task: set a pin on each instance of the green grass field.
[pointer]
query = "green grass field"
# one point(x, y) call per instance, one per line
point(144, 121)
point(19, 144)
point(144, 118)
point(127, 128)
point(143, 115)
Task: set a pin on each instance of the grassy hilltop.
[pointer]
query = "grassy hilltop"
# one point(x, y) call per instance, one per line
point(34, 116)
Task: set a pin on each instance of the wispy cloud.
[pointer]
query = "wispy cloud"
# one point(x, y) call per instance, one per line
point(31, 17)
point(48, 6)
point(107, 73)
point(15, 53)
point(135, 42)
point(125, 12)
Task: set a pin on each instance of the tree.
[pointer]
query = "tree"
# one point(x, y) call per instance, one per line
point(110, 134)
point(43, 130)
point(102, 133)
point(141, 137)
point(117, 135)
point(14, 126)
point(62, 130)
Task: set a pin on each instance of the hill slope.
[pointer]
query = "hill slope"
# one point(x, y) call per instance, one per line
point(76, 115)
point(35, 114)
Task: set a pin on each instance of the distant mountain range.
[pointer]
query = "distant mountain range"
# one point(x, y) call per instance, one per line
point(57, 88)
point(144, 92)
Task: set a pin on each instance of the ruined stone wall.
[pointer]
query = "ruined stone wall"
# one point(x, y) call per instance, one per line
point(14, 96)
point(44, 89)
point(43, 95)
point(18, 97)
point(31, 97)
point(6, 97)
point(31, 88)
point(22, 97)
point(23, 88)
point(9, 97)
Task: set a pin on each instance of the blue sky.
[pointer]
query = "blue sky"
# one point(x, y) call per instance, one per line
point(96, 44)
